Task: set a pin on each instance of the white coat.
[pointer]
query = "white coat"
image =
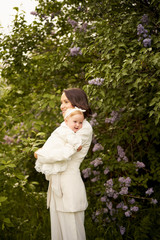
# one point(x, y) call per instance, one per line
point(62, 144)
point(70, 189)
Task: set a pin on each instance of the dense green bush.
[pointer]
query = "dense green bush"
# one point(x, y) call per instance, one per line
point(111, 50)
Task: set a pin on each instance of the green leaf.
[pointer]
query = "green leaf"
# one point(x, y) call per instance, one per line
point(3, 199)
point(7, 220)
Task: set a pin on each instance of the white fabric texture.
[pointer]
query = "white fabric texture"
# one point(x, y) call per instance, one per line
point(66, 195)
point(66, 225)
point(60, 146)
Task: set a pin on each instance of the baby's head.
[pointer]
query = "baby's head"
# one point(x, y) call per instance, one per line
point(74, 118)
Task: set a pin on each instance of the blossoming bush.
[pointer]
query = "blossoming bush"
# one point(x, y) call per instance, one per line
point(111, 50)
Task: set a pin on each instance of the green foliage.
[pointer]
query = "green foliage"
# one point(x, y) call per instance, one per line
point(38, 63)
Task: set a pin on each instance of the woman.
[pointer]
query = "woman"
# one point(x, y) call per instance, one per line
point(67, 209)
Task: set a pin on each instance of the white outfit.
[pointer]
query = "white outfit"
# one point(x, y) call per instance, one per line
point(62, 139)
point(66, 195)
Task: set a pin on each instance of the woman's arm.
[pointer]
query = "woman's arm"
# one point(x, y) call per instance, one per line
point(60, 146)
point(56, 149)
point(85, 133)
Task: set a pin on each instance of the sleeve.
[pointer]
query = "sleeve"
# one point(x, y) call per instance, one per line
point(85, 133)
point(55, 149)
point(74, 140)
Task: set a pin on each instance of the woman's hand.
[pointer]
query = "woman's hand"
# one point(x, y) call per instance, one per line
point(79, 148)
point(35, 155)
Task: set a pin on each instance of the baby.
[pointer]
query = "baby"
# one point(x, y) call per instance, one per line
point(74, 119)
point(62, 142)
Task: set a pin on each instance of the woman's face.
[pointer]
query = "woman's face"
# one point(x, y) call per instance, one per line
point(65, 103)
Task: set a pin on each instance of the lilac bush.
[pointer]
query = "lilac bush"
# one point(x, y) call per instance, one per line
point(121, 171)
point(117, 198)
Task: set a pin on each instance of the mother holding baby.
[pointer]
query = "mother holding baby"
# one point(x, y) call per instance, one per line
point(67, 209)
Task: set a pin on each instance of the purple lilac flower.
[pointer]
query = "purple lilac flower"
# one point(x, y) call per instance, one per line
point(110, 192)
point(112, 212)
point(8, 140)
point(141, 30)
point(115, 195)
point(105, 210)
point(93, 120)
point(72, 22)
point(109, 183)
point(121, 152)
point(121, 180)
point(106, 171)
point(95, 179)
point(143, 33)
point(114, 117)
point(134, 209)
point(97, 213)
point(145, 19)
point(149, 191)
point(79, 7)
point(140, 164)
point(75, 51)
point(34, 13)
point(125, 159)
point(154, 201)
point(86, 172)
point(96, 81)
point(125, 181)
point(120, 205)
point(97, 162)
point(84, 27)
point(109, 205)
point(131, 201)
point(97, 147)
point(94, 115)
point(122, 230)
point(128, 213)
point(147, 42)
point(103, 199)
point(124, 191)
point(125, 207)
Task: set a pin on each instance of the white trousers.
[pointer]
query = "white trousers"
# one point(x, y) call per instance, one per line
point(66, 225)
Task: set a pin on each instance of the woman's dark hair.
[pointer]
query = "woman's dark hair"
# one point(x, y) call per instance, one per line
point(78, 98)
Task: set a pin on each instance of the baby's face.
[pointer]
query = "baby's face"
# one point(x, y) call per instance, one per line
point(75, 122)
